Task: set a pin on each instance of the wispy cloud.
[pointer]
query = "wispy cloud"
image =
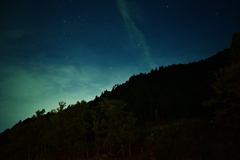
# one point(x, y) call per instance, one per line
point(135, 33)
point(39, 84)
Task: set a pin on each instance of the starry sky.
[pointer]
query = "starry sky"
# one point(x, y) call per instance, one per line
point(73, 50)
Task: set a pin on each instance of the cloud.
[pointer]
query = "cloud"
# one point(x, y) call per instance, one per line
point(40, 84)
point(24, 91)
point(136, 35)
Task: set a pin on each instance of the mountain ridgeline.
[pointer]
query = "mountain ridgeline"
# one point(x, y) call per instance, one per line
point(172, 92)
point(184, 111)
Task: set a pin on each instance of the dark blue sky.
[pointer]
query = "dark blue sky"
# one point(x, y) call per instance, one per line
point(72, 50)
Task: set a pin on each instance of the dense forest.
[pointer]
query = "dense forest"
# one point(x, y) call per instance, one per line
point(183, 111)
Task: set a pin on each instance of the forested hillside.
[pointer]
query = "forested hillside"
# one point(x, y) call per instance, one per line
point(182, 111)
point(172, 92)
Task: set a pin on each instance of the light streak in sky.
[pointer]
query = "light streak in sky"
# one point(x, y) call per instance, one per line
point(133, 30)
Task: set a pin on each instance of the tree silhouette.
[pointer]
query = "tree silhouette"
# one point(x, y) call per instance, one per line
point(81, 123)
point(117, 125)
point(227, 86)
point(95, 121)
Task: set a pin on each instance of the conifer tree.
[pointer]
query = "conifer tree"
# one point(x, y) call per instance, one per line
point(227, 86)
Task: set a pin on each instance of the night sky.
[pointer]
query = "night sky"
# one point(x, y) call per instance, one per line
point(72, 50)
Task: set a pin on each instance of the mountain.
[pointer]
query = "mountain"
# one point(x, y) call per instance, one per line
point(172, 92)
point(166, 93)
point(145, 115)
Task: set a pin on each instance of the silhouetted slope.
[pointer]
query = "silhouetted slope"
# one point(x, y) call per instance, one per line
point(172, 92)
point(167, 93)
point(174, 95)
point(175, 91)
